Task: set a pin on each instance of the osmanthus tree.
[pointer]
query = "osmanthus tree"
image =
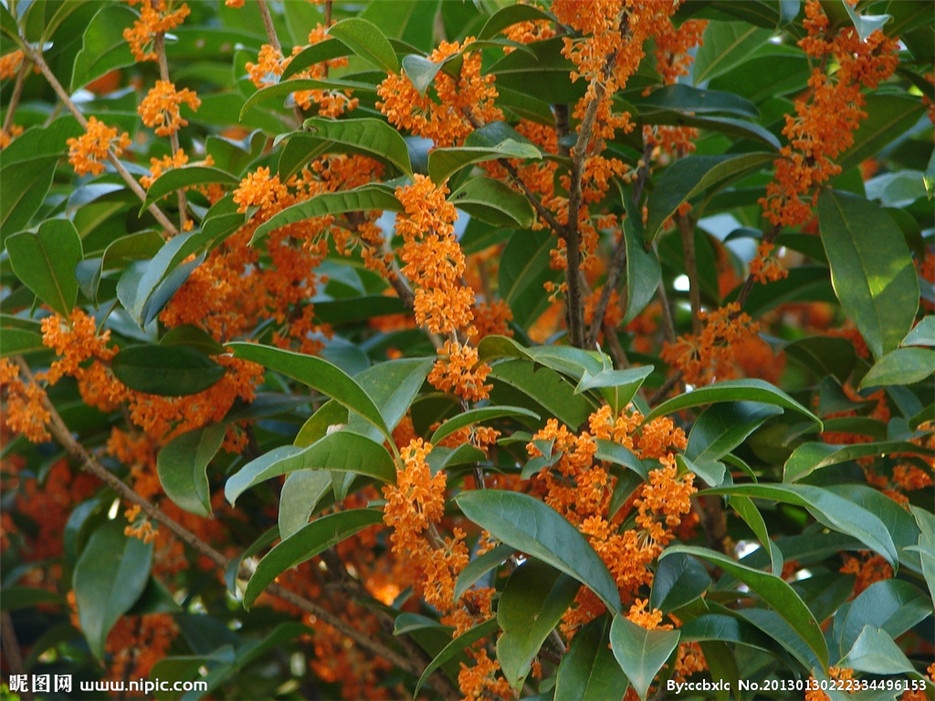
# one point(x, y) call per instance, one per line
point(572, 350)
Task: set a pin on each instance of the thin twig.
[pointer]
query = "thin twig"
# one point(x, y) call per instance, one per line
point(159, 45)
point(14, 98)
point(687, 233)
point(134, 186)
point(274, 42)
point(748, 284)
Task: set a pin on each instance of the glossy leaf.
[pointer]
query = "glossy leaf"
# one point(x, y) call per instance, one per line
point(875, 652)
point(456, 648)
point(305, 544)
point(103, 47)
point(168, 371)
point(109, 577)
point(301, 493)
point(524, 269)
point(723, 427)
point(45, 262)
point(367, 41)
point(871, 268)
point(480, 566)
point(541, 390)
point(182, 466)
point(891, 605)
point(316, 373)
point(539, 531)
point(370, 137)
point(641, 652)
point(342, 451)
point(444, 162)
point(679, 580)
point(19, 341)
point(771, 589)
point(617, 386)
point(812, 456)
point(470, 417)
point(493, 202)
point(588, 671)
point(183, 177)
point(532, 604)
point(726, 45)
point(643, 272)
point(510, 15)
point(922, 334)
point(421, 71)
point(903, 366)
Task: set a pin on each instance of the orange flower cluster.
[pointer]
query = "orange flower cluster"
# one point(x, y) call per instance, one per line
point(10, 64)
point(867, 569)
point(919, 694)
point(580, 487)
point(25, 410)
point(158, 166)
point(156, 17)
point(765, 268)
point(711, 354)
point(6, 137)
point(825, 120)
point(87, 152)
point(137, 643)
point(464, 102)
point(161, 108)
point(460, 372)
point(816, 694)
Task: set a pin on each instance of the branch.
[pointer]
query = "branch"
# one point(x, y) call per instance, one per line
point(89, 463)
point(159, 43)
point(36, 57)
point(14, 98)
point(748, 284)
point(687, 232)
point(274, 42)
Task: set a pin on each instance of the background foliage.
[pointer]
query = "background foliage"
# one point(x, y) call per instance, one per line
point(567, 350)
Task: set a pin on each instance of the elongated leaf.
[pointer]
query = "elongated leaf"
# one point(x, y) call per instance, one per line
point(617, 386)
point(524, 270)
point(726, 44)
point(588, 671)
point(318, 374)
point(690, 176)
point(367, 41)
point(182, 466)
point(109, 577)
point(185, 176)
point(169, 371)
point(493, 202)
point(45, 262)
point(473, 416)
point(643, 272)
point(530, 526)
point(875, 652)
point(812, 456)
point(19, 341)
point(287, 87)
point(316, 53)
point(301, 493)
point(510, 15)
point(747, 510)
point(480, 566)
point(533, 602)
point(890, 604)
point(679, 580)
point(421, 71)
point(103, 47)
point(732, 391)
point(308, 542)
point(771, 589)
point(371, 137)
point(723, 427)
point(544, 75)
point(903, 366)
point(454, 649)
point(539, 389)
point(871, 268)
point(640, 652)
point(342, 451)
point(827, 508)
point(360, 199)
point(923, 334)
point(444, 162)
point(687, 99)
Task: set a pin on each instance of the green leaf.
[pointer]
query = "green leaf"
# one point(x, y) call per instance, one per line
point(109, 577)
point(301, 493)
point(367, 41)
point(811, 456)
point(360, 199)
point(420, 71)
point(747, 510)
point(480, 566)
point(542, 390)
point(182, 467)
point(678, 581)
point(342, 451)
point(827, 508)
point(903, 366)
point(723, 427)
point(643, 272)
point(865, 24)
point(771, 589)
point(732, 391)
point(532, 603)
point(15, 598)
point(493, 202)
point(923, 334)
point(185, 176)
point(825, 355)
point(726, 45)
point(528, 525)
point(889, 117)
point(103, 47)
point(617, 386)
point(393, 385)
point(192, 336)
point(19, 341)
point(588, 671)
point(316, 53)
point(474, 416)
point(309, 541)
point(318, 374)
point(8, 24)
point(444, 162)
point(454, 649)
point(286, 87)
point(640, 652)
point(370, 137)
point(508, 16)
point(687, 99)
point(45, 262)
point(689, 176)
point(169, 371)
point(524, 270)
point(544, 75)
point(875, 652)
point(871, 268)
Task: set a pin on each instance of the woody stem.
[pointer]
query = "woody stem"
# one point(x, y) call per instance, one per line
point(159, 44)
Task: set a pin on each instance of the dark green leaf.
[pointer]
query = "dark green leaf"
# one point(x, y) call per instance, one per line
point(875, 652)
point(530, 526)
point(316, 373)
point(824, 355)
point(168, 371)
point(903, 366)
point(871, 268)
point(493, 202)
point(109, 577)
point(103, 47)
point(524, 270)
point(19, 341)
point(480, 566)
point(889, 117)
point(544, 75)
point(342, 451)
point(286, 87)
point(747, 510)
point(723, 427)
point(45, 262)
point(685, 98)
point(371, 137)
point(617, 386)
point(360, 199)
point(444, 162)
point(193, 336)
point(301, 492)
point(643, 272)
point(508, 16)
point(316, 53)
point(393, 386)
point(473, 416)
point(588, 671)
point(305, 544)
point(420, 71)
point(640, 652)
point(922, 335)
point(15, 598)
point(532, 603)
point(771, 589)
point(544, 391)
point(678, 581)
point(689, 176)
point(890, 604)
point(726, 45)
point(182, 466)
point(367, 41)
point(185, 176)
point(455, 649)
point(811, 456)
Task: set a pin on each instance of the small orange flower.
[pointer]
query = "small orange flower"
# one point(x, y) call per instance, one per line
point(87, 152)
point(155, 18)
point(460, 372)
point(161, 107)
point(10, 64)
